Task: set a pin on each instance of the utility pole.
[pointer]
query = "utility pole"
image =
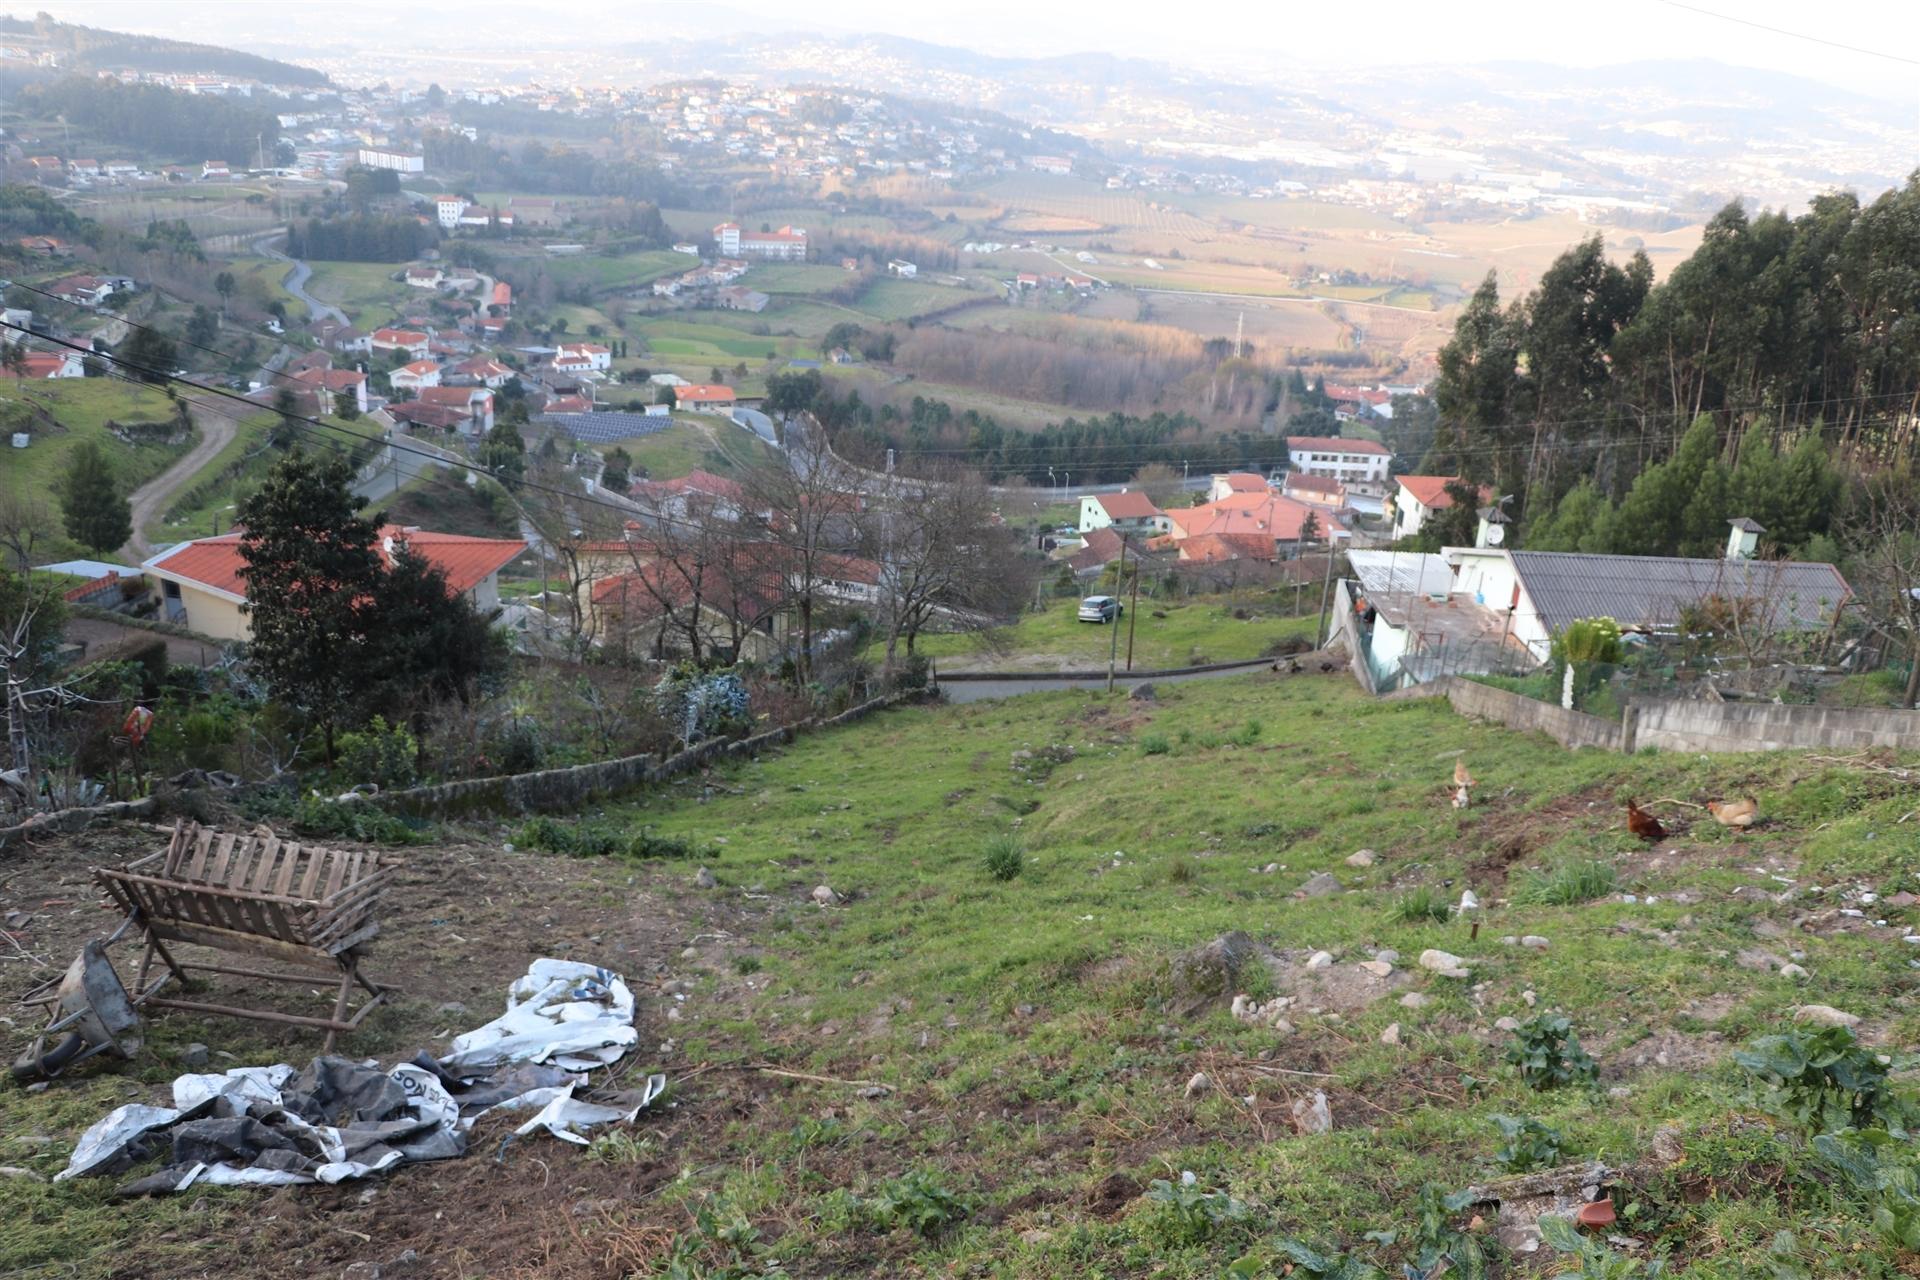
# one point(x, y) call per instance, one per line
point(1133, 606)
point(1239, 332)
point(1113, 643)
point(1326, 592)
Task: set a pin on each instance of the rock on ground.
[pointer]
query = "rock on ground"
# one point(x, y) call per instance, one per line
point(1825, 1015)
point(1319, 885)
point(1312, 1115)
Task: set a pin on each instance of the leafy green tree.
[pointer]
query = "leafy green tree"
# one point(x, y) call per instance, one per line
point(345, 407)
point(1677, 507)
point(150, 354)
point(223, 285)
point(617, 474)
point(203, 329)
point(435, 645)
point(313, 576)
point(1578, 522)
point(504, 453)
point(96, 513)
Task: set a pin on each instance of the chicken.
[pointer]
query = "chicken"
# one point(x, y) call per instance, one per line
point(1461, 797)
point(1735, 813)
point(1644, 824)
point(1461, 778)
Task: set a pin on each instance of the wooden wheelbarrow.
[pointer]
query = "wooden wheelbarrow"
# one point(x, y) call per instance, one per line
point(256, 895)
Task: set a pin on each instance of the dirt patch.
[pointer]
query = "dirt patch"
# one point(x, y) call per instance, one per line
point(1338, 988)
point(1109, 1197)
point(1506, 838)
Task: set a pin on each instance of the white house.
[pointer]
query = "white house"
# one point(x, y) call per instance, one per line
point(415, 376)
point(1348, 461)
point(1417, 498)
point(904, 269)
point(447, 209)
point(411, 341)
point(1130, 511)
point(593, 356)
point(425, 277)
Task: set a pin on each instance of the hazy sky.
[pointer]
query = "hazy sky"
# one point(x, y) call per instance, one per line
point(1239, 34)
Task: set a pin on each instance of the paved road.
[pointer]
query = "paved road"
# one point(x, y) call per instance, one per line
point(296, 281)
point(217, 424)
point(988, 690)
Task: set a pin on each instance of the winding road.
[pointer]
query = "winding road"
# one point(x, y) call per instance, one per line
point(298, 274)
point(217, 427)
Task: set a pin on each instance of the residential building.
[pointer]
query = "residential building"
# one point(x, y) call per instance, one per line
point(475, 402)
point(47, 364)
point(1229, 483)
point(447, 210)
point(415, 376)
point(484, 371)
point(536, 211)
point(202, 589)
point(1284, 525)
point(1416, 498)
point(697, 397)
point(1129, 511)
point(411, 341)
point(425, 277)
point(1348, 461)
point(325, 384)
point(215, 169)
point(588, 355)
point(735, 298)
point(1315, 491)
point(902, 268)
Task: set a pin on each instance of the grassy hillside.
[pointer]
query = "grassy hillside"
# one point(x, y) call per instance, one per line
point(1164, 636)
point(948, 1073)
point(80, 408)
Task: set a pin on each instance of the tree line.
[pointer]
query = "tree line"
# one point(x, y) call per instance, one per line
point(360, 238)
point(185, 126)
point(90, 48)
point(1776, 328)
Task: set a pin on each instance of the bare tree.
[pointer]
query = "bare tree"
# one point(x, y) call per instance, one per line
point(942, 554)
point(811, 501)
point(1882, 536)
point(582, 543)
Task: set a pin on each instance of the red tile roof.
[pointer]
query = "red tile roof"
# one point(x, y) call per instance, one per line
point(1325, 486)
point(1129, 504)
point(332, 379)
point(1210, 548)
point(1336, 444)
point(702, 393)
point(1245, 482)
point(1431, 491)
point(398, 337)
point(467, 562)
point(455, 397)
point(1270, 516)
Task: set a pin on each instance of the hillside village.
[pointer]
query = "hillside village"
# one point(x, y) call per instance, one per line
point(723, 676)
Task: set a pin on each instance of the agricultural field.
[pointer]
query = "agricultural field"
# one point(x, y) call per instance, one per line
point(1003, 1040)
point(366, 291)
point(1165, 635)
point(887, 299)
point(695, 442)
point(606, 274)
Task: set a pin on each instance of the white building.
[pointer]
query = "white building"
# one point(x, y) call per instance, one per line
point(448, 210)
point(788, 244)
point(1348, 461)
point(398, 161)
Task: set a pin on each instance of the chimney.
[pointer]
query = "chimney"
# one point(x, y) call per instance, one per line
point(1744, 539)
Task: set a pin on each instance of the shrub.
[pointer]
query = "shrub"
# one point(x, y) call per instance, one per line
point(544, 834)
point(1246, 735)
point(1571, 885)
point(1297, 1258)
point(645, 844)
point(1530, 1145)
point(1547, 1053)
point(1422, 904)
point(517, 747)
point(379, 753)
point(1180, 870)
point(1182, 1214)
point(1005, 856)
point(916, 1200)
point(1154, 744)
point(1823, 1081)
point(351, 820)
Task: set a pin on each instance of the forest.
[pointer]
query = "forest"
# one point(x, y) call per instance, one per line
point(539, 168)
point(1784, 352)
point(183, 127)
point(360, 238)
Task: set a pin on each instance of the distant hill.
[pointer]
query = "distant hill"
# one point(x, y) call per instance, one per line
point(92, 49)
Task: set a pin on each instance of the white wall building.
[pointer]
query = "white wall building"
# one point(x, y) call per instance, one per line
point(1348, 461)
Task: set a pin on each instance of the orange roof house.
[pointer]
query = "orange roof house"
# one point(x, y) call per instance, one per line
point(202, 587)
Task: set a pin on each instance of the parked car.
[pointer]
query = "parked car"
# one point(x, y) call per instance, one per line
point(1101, 609)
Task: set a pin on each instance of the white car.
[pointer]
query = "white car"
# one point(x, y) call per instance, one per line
point(1101, 609)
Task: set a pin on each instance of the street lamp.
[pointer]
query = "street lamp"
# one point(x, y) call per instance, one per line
point(214, 519)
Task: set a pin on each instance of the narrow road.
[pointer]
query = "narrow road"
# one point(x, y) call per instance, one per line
point(217, 429)
point(296, 281)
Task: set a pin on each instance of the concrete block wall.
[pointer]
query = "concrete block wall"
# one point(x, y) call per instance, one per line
point(1760, 726)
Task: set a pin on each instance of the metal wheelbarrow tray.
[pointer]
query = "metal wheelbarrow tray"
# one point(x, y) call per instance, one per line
point(256, 895)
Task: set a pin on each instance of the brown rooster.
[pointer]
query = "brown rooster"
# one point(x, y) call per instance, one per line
point(1461, 778)
point(1739, 814)
point(1644, 824)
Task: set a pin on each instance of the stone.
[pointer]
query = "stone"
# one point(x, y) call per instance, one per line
point(1387, 955)
point(1901, 899)
point(1757, 959)
point(1530, 998)
point(15, 1171)
point(1378, 968)
point(1825, 1015)
point(1535, 941)
point(824, 895)
point(1506, 1024)
point(1440, 961)
point(1312, 1115)
point(1244, 1007)
point(1319, 885)
point(1793, 971)
point(1320, 960)
point(1391, 1035)
point(1282, 1026)
point(1144, 692)
point(703, 879)
point(1667, 1148)
point(1200, 1083)
point(1024, 1010)
point(1360, 858)
point(1414, 1000)
point(195, 1055)
point(1459, 974)
point(453, 1007)
point(1269, 869)
point(1211, 970)
point(361, 1271)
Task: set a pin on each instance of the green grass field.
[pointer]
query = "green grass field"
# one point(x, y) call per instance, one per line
point(694, 442)
point(364, 290)
point(602, 273)
point(995, 1054)
point(258, 280)
point(1189, 632)
point(887, 299)
point(82, 408)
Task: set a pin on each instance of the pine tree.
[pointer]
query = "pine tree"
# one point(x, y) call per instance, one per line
point(313, 579)
point(97, 515)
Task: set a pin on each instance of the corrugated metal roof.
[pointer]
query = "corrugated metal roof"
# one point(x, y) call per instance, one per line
point(1652, 590)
